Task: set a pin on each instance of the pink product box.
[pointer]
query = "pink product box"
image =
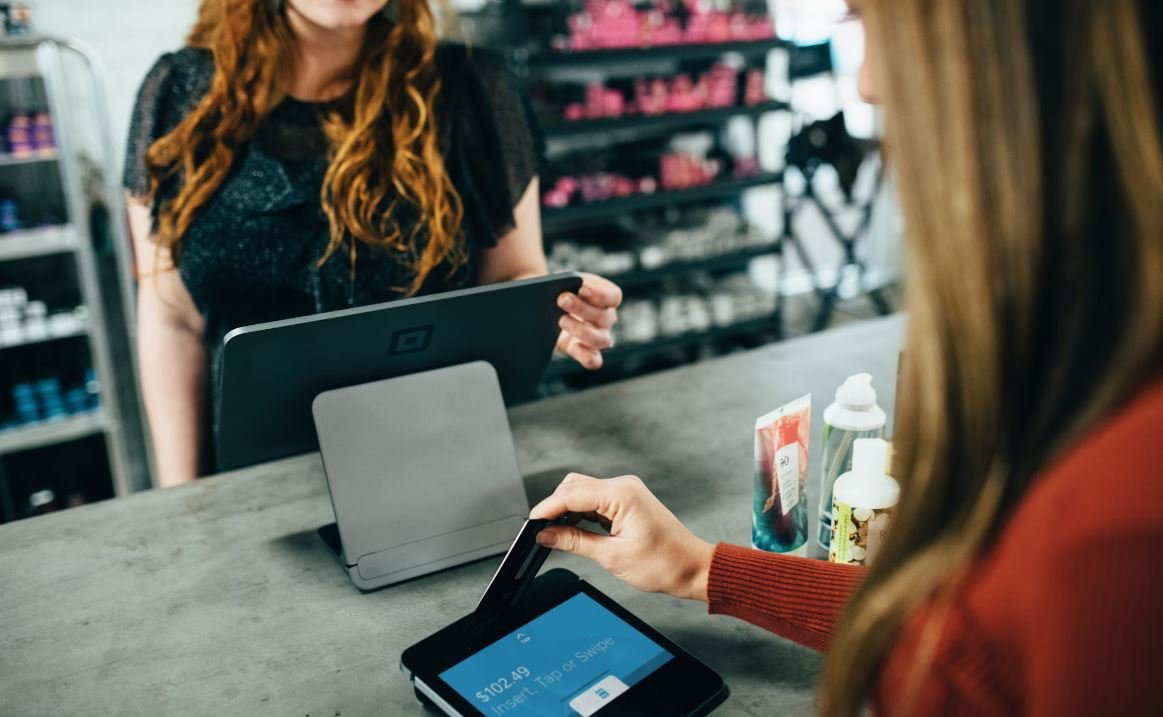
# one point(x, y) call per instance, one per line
point(682, 171)
point(561, 193)
point(19, 135)
point(716, 88)
point(608, 24)
point(43, 136)
point(754, 90)
point(555, 199)
point(600, 187)
point(683, 96)
point(653, 96)
point(746, 167)
point(600, 102)
point(29, 133)
point(667, 33)
point(605, 24)
point(721, 86)
point(595, 188)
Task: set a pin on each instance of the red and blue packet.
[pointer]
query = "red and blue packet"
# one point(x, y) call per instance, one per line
point(779, 521)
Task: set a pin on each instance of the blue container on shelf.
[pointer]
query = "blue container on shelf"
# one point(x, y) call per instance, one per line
point(27, 407)
point(49, 389)
point(47, 386)
point(51, 402)
point(9, 215)
point(77, 401)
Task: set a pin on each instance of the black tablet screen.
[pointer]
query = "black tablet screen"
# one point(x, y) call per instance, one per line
point(572, 660)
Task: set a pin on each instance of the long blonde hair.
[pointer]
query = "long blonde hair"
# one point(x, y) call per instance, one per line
point(1027, 139)
point(383, 157)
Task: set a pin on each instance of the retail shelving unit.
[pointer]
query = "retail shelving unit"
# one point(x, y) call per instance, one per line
point(56, 258)
point(561, 367)
point(661, 122)
point(553, 219)
point(738, 259)
point(701, 51)
point(43, 241)
point(545, 65)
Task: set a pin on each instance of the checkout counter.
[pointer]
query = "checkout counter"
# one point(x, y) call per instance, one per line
point(219, 598)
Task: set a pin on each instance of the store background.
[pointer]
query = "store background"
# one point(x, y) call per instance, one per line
point(130, 35)
point(127, 38)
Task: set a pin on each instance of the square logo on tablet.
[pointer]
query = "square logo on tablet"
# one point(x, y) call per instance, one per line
point(410, 341)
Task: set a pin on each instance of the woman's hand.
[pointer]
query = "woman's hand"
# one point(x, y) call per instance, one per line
point(647, 547)
point(589, 317)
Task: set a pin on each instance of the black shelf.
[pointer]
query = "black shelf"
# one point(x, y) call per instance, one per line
point(641, 54)
point(729, 260)
point(562, 368)
point(566, 128)
point(552, 219)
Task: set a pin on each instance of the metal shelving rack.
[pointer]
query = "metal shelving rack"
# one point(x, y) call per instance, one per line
point(561, 368)
point(40, 60)
point(737, 259)
point(555, 220)
point(669, 121)
point(8, 160)
point(700, 51)
point(43, 241)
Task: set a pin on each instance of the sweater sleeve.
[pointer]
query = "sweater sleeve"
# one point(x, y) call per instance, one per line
point(1093, 624)
point(496, 146)
point(152, 117)
point(796, 598)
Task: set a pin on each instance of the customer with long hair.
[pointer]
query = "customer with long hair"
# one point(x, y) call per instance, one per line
point(1022, 572)
point(300, 156)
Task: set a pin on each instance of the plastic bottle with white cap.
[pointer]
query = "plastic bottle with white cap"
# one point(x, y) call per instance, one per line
point(853, 416)
point(862, 504)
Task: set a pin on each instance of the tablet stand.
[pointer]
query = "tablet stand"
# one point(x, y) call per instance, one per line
point(421, 471)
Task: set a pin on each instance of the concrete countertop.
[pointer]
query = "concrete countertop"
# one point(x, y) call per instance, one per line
point(218, 598)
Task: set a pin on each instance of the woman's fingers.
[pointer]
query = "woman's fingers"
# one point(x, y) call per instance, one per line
point(574, 305)
point(594, 498)
point(588, 334)
point(598, 520)
point(571, 346)
point(571, 539)
point(590, 315)
point(647, 547)
point(575, 494)
point(600, 291)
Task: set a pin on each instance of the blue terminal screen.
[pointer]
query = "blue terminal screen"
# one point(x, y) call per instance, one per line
point(573, 660)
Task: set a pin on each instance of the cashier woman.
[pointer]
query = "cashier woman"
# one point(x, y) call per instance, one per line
point(1022, 572)
point(301, 156)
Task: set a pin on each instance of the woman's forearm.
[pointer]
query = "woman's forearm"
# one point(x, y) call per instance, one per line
point(173, 381)
point(796, 598)
point(520, 254)
point(171, 354)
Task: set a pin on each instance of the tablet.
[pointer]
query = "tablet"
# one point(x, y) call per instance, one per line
point(566, 649)
point(272, 372)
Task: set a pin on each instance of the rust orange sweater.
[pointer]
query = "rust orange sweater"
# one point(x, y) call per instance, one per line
point(1062, 616)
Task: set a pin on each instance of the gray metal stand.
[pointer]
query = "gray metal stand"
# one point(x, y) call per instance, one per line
point(422, 473)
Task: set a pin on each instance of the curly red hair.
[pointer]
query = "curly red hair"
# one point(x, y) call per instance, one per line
point(384, 155)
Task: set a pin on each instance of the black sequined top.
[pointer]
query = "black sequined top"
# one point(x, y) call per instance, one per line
point(251, 255)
